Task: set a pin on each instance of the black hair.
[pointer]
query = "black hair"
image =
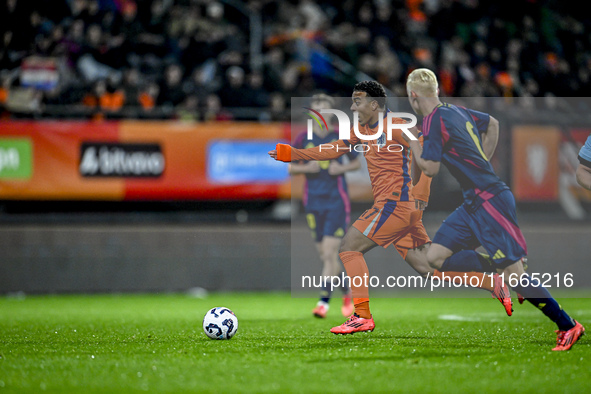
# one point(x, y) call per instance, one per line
point(372, 89)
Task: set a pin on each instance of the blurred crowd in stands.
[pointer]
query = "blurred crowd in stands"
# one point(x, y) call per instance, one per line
point(194, 60)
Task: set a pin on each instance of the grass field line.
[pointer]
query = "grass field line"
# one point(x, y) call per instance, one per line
point(467, 318)
point(494, 316)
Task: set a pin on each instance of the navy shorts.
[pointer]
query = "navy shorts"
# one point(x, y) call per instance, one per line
point(492, 225)
point(332, 222)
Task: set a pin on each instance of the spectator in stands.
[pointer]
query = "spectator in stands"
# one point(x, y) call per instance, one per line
point(152, 39)
point(131, 87)
point(149, 96)
point(296, 81)
point(278, 108)
point(274, 67)
point(235, 93)
point(74, 40)
point(4, 92)
point(105, 98)
point(131, 28)
point(476, 47)
point(257, 95)
point(17, 18)
point(386, 24)
point(483, 84)
point(213, 109)
point(188, 110)
point(204, 80)
point(312, 15)
point(388, 68)
point(91, 14)
point(171, 89)
point(94, 43)
point(92, 99)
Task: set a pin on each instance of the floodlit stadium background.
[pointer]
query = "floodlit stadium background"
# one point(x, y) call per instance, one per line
point(198, 91)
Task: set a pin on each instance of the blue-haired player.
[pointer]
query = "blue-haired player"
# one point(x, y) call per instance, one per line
point(464, 140)
point(584, 168)
point(327, 204)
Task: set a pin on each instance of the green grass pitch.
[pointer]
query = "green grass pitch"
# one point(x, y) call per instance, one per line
point(155, 343)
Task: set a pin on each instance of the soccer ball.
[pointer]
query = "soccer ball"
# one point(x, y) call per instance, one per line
point(220, 323)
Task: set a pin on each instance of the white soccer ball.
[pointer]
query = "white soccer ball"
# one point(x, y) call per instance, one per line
point(220, 323)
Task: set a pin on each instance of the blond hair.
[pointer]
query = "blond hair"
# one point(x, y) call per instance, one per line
point(423, 82)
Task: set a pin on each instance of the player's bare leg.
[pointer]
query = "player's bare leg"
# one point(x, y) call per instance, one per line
point(328, 250)
point(353, 246)
point(417, 259)
point(334, 267)
point(355, 241)
point(321, 308)
point(439, 254)
point(569, 330)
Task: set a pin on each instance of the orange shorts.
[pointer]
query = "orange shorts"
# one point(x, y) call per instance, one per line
point(394, 222)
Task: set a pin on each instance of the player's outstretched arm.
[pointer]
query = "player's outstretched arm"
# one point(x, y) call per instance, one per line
point(584, 176)
point(428, 167)
point(421, 184)
point(415, 169)
point(416, 172)
point(490, 138)
point(337, 168)
point(329, 151)
point(282, 153)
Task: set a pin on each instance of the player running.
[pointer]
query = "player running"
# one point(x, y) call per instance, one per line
point(394, 217)
point(584, 168)
point(464, 140)
point(327, 204)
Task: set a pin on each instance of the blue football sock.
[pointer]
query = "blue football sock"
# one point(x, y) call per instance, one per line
point(325, 293)
point(466, 261)
point(541, 298)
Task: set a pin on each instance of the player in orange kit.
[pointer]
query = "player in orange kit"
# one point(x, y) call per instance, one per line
point(394, 217)
point(326, 201)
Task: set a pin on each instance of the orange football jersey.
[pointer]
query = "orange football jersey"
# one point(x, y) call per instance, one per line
point(388, 162)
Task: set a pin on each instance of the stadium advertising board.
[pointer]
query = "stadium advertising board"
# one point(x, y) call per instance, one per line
point(535, 163)
point(121, 160)
point(15, 158)
point(236, 162)
point(131, 160)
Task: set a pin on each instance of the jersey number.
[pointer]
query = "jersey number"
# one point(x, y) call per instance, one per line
point(470, 129)
point(324, 164)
